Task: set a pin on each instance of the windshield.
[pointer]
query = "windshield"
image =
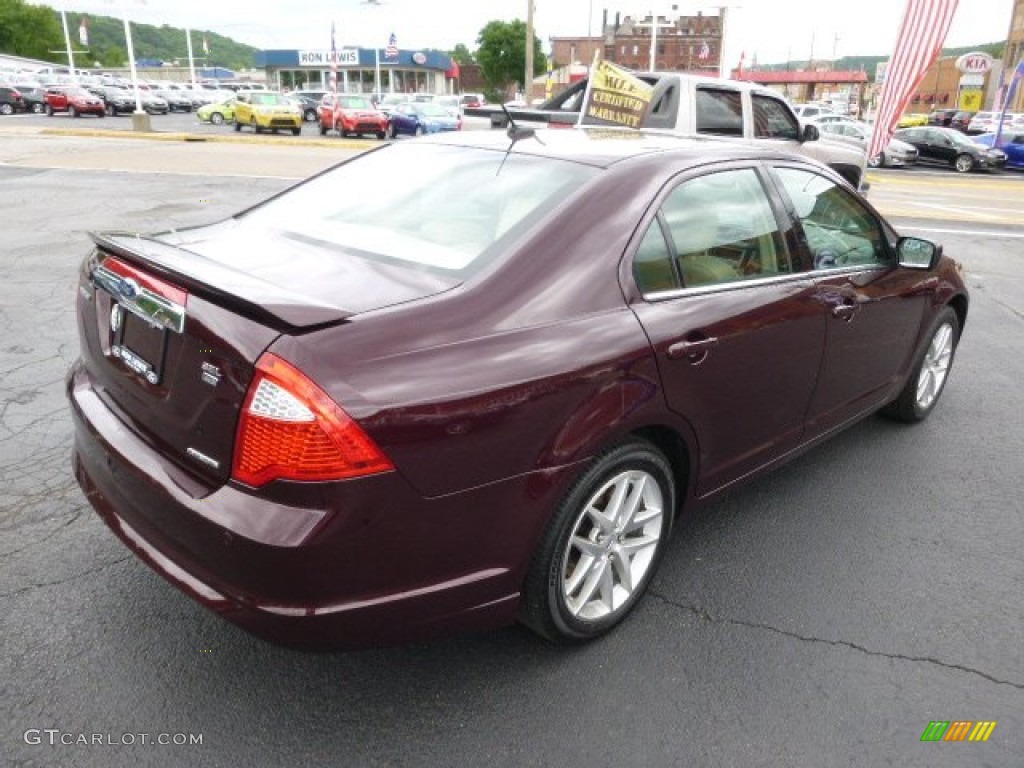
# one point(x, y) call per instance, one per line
point(431, 110)
point(268, 99)
point(442, 208)
point(356, 102)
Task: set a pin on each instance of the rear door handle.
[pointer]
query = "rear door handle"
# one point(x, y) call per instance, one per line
point(691, 348)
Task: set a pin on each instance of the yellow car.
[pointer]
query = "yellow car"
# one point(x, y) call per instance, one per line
point(914, 118)
point(267, 110)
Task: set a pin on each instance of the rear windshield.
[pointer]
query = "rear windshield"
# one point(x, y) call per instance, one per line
point(442, 208)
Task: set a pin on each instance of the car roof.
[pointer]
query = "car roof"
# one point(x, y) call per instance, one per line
point(603, 147)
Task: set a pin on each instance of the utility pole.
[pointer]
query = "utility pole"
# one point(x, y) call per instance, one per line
point(654, 25)
point(528, 78)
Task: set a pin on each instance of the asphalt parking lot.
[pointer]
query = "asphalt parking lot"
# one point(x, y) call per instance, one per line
point(821, 616)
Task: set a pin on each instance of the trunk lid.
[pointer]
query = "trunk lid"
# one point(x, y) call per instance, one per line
point(172, 326)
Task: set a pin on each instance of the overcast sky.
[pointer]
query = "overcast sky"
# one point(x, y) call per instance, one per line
point(771, 28)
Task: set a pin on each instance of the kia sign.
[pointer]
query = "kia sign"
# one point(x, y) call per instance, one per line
point(976, 63)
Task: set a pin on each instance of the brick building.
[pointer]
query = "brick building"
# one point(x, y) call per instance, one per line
point(685, 43)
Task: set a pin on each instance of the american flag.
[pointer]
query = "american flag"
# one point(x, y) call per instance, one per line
point(705, 51)
point(334, 62)
point(918, 43)
point(391, 51)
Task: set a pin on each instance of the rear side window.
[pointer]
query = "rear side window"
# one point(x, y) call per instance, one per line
point(773, 120)
point(719, 112)
point(720, 229)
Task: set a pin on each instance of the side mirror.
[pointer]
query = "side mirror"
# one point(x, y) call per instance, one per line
point(810, 133)
point(915, 253)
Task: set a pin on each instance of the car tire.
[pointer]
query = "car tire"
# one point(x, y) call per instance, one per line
point(323, 129)
point(101, 113)
point(310, 115)
point(381, 134)
point(255, 126)
point(72, 112)
point(392, 132)
point(419, 130)
point(238, 127)
point(296, 131)
point(49, 111)
point(110, 110)
point(928, 378)
point(6, 109)
point(595, 559)
point(37, 109)
point(877, 162)
point(216, 118)
point(964, 163)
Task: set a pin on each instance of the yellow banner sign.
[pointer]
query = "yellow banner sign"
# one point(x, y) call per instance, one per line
point(617, 96)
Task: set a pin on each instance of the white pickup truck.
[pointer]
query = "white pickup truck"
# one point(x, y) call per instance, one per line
point(693, 105)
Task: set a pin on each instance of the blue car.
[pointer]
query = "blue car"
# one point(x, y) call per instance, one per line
point(1011, 142)
point(418, 118)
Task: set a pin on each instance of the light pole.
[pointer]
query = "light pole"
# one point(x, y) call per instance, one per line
point(376, 52)
point(528, 75)
point(67, 41)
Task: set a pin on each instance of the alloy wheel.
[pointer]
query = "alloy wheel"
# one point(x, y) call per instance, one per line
point(935, 366)
point(612, 545)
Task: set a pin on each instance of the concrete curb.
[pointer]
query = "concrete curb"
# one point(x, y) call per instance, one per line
point(231, 138)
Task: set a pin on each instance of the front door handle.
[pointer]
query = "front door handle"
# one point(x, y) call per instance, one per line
point(694, 350)
point(845, 311)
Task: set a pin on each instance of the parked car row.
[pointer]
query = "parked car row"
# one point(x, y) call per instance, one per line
point(974, 123)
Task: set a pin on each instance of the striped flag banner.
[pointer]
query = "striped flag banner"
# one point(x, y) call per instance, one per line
point(391, 52)
point(1011, 93)
point(918, 44)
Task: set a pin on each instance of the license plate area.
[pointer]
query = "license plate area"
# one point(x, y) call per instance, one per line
point(137, 343)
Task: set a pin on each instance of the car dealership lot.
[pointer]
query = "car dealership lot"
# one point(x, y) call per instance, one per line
point(821, 616)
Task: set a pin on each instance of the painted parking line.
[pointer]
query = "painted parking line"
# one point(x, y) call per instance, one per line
point(964, 232)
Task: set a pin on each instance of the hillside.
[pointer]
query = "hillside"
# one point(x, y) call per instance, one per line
point(107, 44)
point(868, 63)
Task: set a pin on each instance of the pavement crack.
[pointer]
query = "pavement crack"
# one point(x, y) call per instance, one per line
point(704, 615)
point(72, 577)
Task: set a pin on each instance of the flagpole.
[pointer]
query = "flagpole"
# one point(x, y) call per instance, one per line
point(376, 67)
point(590, 83)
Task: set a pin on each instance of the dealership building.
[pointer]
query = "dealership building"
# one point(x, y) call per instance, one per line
point(404, 72)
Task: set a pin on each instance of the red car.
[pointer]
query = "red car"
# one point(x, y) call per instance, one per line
point(375, 407)
point(351, 114)
point(73, 100)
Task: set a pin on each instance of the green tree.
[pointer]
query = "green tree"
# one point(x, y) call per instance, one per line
point(29, 30)
point(463, 55)
point(502, 53)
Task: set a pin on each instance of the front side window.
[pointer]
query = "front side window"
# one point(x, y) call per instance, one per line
point(773, 120)
point(719, 112)
point(840, 231)
point(720, 229)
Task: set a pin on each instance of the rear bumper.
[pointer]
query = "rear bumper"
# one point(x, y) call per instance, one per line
point(364, 562)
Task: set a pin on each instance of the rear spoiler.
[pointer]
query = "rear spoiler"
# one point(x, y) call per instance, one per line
point(257, 299)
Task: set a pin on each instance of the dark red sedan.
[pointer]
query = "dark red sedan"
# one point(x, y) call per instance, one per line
point(485, 391)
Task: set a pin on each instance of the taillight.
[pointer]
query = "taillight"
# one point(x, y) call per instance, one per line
point(291, 429)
